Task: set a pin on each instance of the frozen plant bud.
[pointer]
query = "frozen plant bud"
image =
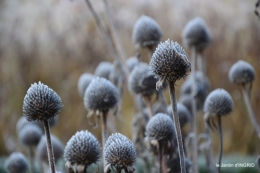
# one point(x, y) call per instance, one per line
point(82, 149)
point(146, 32)
point(30, 135)
point(196, 34)
point(83, 82)
point(183, 113)
point(241, 73)
point(41, 103)
point(119, 152)
point(170, 62)
point(142, 81)
point(16, 163)
point(131, 63)
point(103, 69)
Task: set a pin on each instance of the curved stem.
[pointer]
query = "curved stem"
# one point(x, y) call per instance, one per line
point(250, 111)
point(31, 160)
point(177, 125)
point(220, 142)
point(49, 146)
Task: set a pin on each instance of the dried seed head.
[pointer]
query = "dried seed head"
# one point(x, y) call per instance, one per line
point(170, 61)
point(186, 101)
point(101, 95)
point(82, 149)
point(131, 63)
point(30, 135)
point(119, 151)
point(219, 102)
point(83, 82)
point(41, 150)
point(16, 163)
point(183, 113)
point(41, 103)
point(241, 73)
point(173, 164)
point(103, 69)
point(142, 80)
point(146, 32)
point(196, 34)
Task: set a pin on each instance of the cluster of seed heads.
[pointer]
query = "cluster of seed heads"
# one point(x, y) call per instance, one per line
point(16, 163)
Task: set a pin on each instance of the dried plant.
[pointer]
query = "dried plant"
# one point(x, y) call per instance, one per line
point(103, 69)
point(83, 83)
point(16, 163)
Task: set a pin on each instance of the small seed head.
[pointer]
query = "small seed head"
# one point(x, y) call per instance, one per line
point(30, 135)
point(131, 63)
point(83, 82)
point(103, 69)
point(183, 113)
point(16, 163)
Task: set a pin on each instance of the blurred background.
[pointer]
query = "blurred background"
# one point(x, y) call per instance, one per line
point(56, 41)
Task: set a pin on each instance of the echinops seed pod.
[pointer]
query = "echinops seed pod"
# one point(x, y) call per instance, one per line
point(83, 82)
point(82, 149)
point(219, 102)
point(41, 103)
point(196, 34)
point(183, 113)
point(142, 80)
point(131, 63)
point(30, 135)
point(119, 152)
point(16, 163)
point(146, 32)
point(170, 61)
point(101, 95)
point(104, 69)
point(241, 73)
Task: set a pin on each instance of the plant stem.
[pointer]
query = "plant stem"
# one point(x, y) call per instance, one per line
point(194, 111)
point(31, 159)
point(220, 142)
point(250, 111)
point(160, 156)
point(177, 125)
point(104, 130)
point(149, 106)
point(49, 145)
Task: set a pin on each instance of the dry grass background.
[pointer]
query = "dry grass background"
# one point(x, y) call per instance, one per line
point(56, 41)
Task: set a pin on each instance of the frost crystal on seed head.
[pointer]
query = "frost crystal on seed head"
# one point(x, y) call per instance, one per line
point(16, 163)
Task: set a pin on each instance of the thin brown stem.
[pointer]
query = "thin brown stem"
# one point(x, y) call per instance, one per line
point(49, 146)
point(220, 142)
point(31, 160)
point(160, 157)
point(177, 125)
point(104, 130)
point(149, 106)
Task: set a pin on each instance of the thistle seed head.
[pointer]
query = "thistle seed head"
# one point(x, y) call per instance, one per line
point(131, 63)
point(30, 135)
point(41, 103)
point(119, 152)
point(170, 61)
point(241, 73)
point(82, 149)
point(101, 95)
point(142, 80)
point(16, 163)
point(196, 34)
point(146, 32)
point(219, 102)
point(103, 69)
point(83, 82)
point(183, 113)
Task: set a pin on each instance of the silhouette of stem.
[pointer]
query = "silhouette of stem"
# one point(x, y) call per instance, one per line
point(220, 142)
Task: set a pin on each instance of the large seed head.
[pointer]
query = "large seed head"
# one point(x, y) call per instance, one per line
point(241, 73)
point(101, 95)
point(103, 69)
point(219, 102)
point(82, 149)
point(41, 103)
point(146, 32)
point(83, 82)
point(30, 135)
point(170, 61)
point(196, 34)
point(16, 163)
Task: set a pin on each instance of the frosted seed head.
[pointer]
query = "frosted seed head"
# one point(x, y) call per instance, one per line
point(170, 61)
point(196, 34)
point(82, 149)
point(146, 32)
point(241, 73)
point(16, 163)
point(83, 82)
point(131, 63)
point(103, 69)
point(41, 103)
point(30, 135)
point(142, 80)
point(101, 95)
point(219, 102)
point(183, 113)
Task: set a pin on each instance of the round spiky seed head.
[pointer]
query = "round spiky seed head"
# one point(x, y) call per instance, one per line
point(186, 101)
point(119, 151)
point(142, 80)
point(30, 135)
point(103, 69)
point(170, 61)
point(101, 95)
point(82, 148)
point(83, 82)
point(16, 163)
point(41, 150)
point(196, 34)
point(219, 102)
point(241, 73)
point(41, 103)
point(146, 32)
point(183, 113)
point(131, 63)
